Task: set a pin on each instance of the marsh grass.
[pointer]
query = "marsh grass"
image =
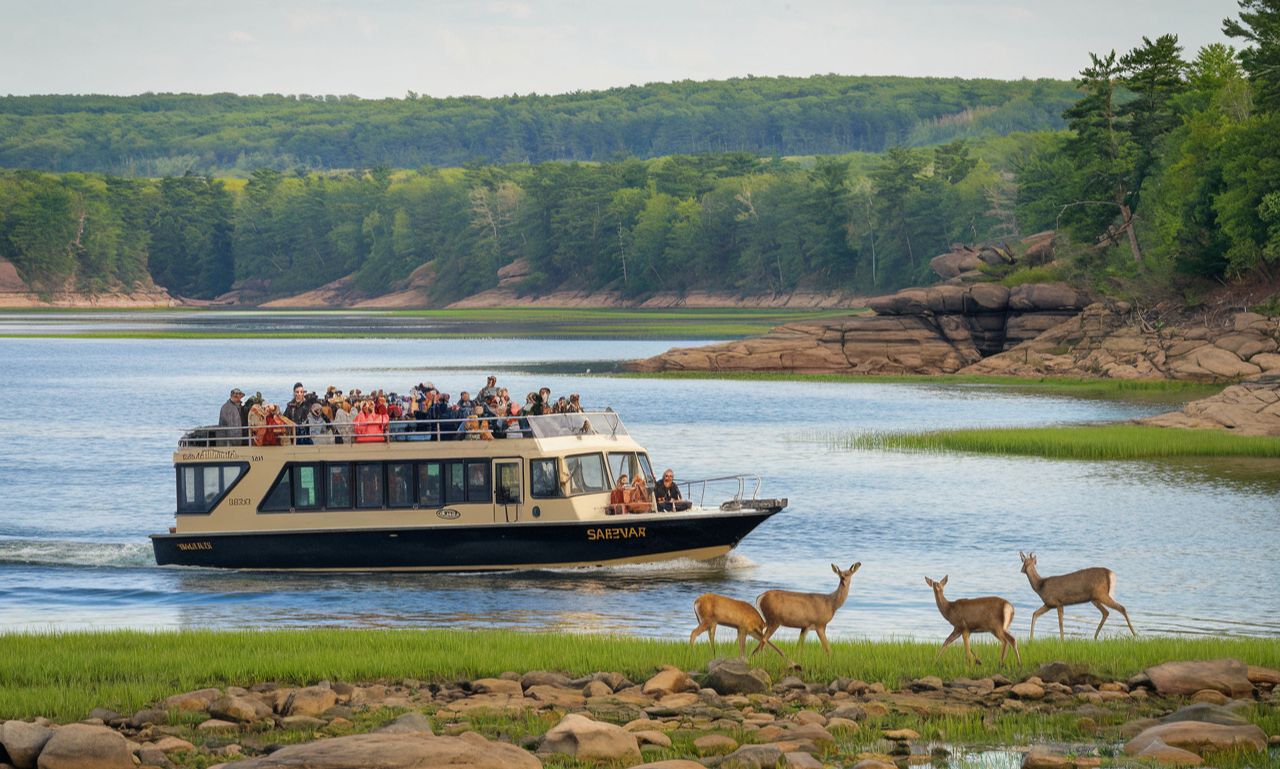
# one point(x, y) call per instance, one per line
point(1109, 441)
point(65, 675)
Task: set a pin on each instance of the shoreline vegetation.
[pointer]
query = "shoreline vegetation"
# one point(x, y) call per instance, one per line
point(1091, 442)
point(64, 675)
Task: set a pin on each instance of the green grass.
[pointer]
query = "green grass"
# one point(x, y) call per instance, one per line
point(65, 675)
point(1112, 441)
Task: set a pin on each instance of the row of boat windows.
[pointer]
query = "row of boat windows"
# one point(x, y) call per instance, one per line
point(377, 485)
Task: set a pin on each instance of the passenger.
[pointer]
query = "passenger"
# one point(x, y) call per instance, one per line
point(639, 501)
point(490, 389)
point(486, 433)
point(465, 404)
point(298, 408)
point(343, 427)
point(575, 406)
point(257, 421)
point(471, 427)
point(562, 406)
point(504, 400)
point(494, 418)
point(231, 421)
point(275, 431)
point(544, 394)
point(667, 494)
point(395, 417)
point(318, 431)
point(619, 496)
point(368, 424)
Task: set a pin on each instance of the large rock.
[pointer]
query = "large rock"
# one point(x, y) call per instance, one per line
point(589, 740)
point(1168, 755)
point(81, 746)
point(23, 742)
point(732, 676)
point(1249, 408)
point(1040, 757)
point(669, 680)
point(752, 757)
point(1229, 676)
point(959, 260)
point(1046, 297)
point(235, 708)
point(409, 723)
point(199, 699)
point(1206, 713)
point(309, 701)
point(397, 751)
point(1200, 738)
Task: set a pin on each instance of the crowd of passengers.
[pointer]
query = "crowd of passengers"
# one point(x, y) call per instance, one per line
point(377, 417)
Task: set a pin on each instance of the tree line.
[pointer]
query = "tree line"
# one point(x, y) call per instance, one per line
point(727, 221)
point(1171, 166)
point(171, 134)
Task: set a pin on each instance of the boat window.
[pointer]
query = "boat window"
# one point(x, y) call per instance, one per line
point(202, 487)
point(478, 482)
point(369, 484)
point(586, 473)
point(542, 478)
point(648, 469)
point(339, 491)
point(400, 484)
point(622, 463)
point(430, 491)
point(455, 489)
point(278, 499)
point(508, 485)
point(306, 487)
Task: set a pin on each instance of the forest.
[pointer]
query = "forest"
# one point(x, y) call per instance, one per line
point(225, 134)
point(1168, 171)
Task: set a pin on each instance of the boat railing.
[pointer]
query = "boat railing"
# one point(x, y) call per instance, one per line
point(288, 433)
point(696, 491)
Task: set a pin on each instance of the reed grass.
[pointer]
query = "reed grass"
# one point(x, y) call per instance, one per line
point(1109, 441)
point(65, 675)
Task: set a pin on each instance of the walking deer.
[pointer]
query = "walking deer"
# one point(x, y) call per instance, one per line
point(807, 611)
point(1095, 585)
point(713, 610)
point(989, 614)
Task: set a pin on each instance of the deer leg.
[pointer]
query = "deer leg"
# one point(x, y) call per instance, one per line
point(781, 653)
point(769, 630)
point(1098, 605)
point(1034, 615)
point(822, 636)
point(711, 633)
point(968, 652)
point(1113, 603)
point(1014, 643)
point(950, 639)
point(1062, 635)
point(803, 631)
point(742, 643)
point(697, 631)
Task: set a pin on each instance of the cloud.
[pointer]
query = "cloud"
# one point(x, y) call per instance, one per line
point(515, 10)
point(240, 36)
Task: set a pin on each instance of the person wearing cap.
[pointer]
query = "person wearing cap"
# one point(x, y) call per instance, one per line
point(231, 421)
point(489, 390)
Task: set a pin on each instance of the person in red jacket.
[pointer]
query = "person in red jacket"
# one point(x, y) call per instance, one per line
point(370, 427)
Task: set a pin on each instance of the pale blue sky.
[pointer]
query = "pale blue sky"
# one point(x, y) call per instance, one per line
point(489, 48)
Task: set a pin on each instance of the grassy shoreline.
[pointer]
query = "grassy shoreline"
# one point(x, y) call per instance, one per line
point(65, 675)
point(1105, 441)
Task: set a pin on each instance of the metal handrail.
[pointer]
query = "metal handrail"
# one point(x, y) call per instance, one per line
point(604, 422)
point(737, 497)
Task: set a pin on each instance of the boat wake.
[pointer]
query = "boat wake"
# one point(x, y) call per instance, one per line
point(56, 552)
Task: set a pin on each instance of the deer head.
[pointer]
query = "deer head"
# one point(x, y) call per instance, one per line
point(846, 574)
point(937, 585)
point(1028, 561)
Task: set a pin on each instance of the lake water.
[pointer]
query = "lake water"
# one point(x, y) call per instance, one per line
point(86, 474)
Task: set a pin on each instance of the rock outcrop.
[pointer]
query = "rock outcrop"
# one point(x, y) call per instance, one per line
point(16, 293)
point(938, 330)
point(397, 751)
point(1249, 408)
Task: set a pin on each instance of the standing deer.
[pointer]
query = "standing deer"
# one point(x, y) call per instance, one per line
point(990, 614)
point(1095, 585)
point(713, 610)
point(807, 611)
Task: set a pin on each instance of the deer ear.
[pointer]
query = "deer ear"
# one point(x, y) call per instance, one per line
point(835, 568)
point(928, 582)
point(943, 581)
point(857, 565)
point(1022, 555)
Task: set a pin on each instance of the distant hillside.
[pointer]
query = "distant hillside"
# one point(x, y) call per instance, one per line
point(165, 134)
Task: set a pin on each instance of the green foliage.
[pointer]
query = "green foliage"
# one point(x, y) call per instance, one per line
point(1259, 23)
point(170, 134)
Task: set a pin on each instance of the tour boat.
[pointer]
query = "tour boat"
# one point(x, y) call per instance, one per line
point(536, 498)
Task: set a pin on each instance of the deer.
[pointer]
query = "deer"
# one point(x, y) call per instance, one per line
point(989, 614)
point(1094, 585)
point(713, 610)
point(807, 611)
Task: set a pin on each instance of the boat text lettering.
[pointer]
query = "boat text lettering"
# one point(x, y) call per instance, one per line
point(195, 545)
point(616, 532)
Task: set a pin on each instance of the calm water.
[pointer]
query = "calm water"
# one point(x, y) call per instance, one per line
point(86, 474)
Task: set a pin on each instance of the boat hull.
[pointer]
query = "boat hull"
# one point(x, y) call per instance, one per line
point(490, 547)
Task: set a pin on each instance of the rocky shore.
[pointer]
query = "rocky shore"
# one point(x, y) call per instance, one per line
point(16, 294)
point(729, 716)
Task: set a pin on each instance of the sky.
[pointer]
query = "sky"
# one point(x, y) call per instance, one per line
point(380, 48)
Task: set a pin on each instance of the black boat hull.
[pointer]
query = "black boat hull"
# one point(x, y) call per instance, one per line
point(491, 547)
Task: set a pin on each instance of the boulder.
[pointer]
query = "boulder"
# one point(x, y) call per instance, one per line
point(543, 678)
point(309, 701)
point(1027, 691)
point(23, 742)
point(397, 751)
point(589, 740)
point(235, 708)
point(1206, 713)
point(1168, 755)
point(1264, 676)
point(651, 737)
point(987, 298)
point(216, 725)
point(148, 716)
point(557, 696)
point(81, 746)
point(1229, 676)
point(596, 689)
point(199, 699)
point(908, 301)
point(1040, 757)
point(409, 723)
point(714, 745)
point(871, 763)
point(672, 763)
point(669, 680)
point(734, 676)
point(752, 757)
point(497, 686)
point(1042, 297)
point(955, 262)
point(1200, 738)
point(1248, 408)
